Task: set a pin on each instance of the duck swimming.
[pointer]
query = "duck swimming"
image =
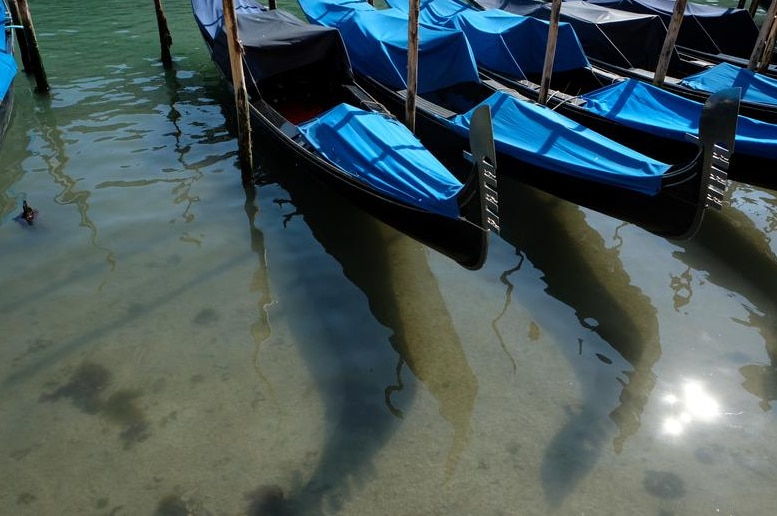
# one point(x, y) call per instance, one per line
point(28, 212)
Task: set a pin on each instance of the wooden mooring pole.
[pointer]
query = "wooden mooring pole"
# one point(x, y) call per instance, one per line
point(550, 51)
point(31, 59)
point(761, 52)
point(671, 38)
point(412, 64)
point(165, 39)
point(241, 93)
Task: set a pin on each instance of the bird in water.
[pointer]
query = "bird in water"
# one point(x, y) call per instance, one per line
point(28, 212)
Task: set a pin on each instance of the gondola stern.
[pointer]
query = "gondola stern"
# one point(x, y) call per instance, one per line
point(482, 155)
point(717, 134)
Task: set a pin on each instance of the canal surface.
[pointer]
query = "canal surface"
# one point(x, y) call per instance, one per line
point(171, 342)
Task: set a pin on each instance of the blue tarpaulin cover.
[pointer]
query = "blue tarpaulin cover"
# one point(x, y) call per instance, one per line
point(756, 87)
point(502, 41)
point(384, 154)
point(377, 45)
point(7, 63)
point(544, 138)
point(526, 131)
point(644, 106)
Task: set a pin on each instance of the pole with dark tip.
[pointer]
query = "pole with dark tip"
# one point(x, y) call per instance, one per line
point(165, 39)
point(35, 63)
point(241, 94)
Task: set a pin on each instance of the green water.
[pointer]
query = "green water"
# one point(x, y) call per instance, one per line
point(173, 344)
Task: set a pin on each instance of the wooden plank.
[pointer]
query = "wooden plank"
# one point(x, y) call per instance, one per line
point(669, 42)
point(241, 93)
point(550, 51)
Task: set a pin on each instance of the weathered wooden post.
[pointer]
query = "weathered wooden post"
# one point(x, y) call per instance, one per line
point(550, 51)
point(241, 94)
point(271, 4)
point(24, 50)
point(766, 57)
point(412, 64)
point(760, 49)
point(33, 63)
point(165, 39)
point(753, 8)
point(669, 42)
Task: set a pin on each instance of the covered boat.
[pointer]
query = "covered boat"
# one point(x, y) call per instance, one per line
point(542, 147)
point(711, 29)
point(620, 43)
point(305, 101)
point(511, 49)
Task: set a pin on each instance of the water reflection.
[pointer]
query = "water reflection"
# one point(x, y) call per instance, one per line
point(582, 272)
point(365, 409)
point(56, 161)
point(736, 255)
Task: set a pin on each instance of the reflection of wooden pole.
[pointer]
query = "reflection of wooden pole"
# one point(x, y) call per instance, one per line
point(759, 51)
point(165, 39)
point(550, 51)
point(412, 64)
point(671, 38)
point(241, 94)
point(35, 63)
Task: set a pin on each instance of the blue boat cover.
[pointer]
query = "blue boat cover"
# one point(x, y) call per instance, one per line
point(377, 45)
point(756, 87)
point(383, 153)
point(501, 41)
point(637, 104)
point(7, 63)
point(526, 131)
point(538, 135)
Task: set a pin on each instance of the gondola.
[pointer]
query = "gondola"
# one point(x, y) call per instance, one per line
point(304, 101)
point(510, 49)
point(709, 29)
point(534, 143)
point(8, 71)
point(634, 53)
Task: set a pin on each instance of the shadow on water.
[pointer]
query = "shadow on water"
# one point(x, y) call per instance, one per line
point(589, 277)
point(366, 401)
point(736, 256)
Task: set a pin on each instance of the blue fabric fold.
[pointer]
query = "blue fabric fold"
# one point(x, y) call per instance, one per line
point(383, 153)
